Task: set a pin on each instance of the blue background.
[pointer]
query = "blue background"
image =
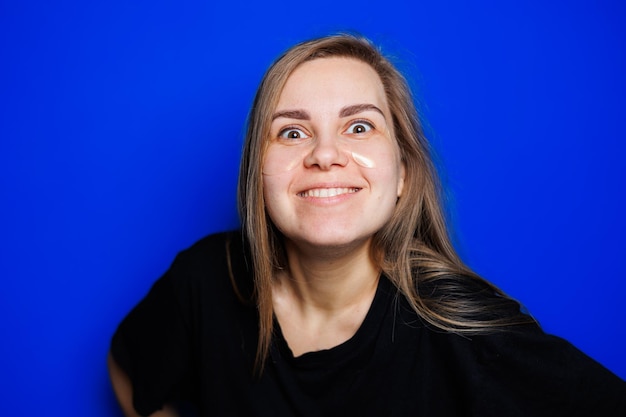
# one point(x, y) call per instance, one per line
point(121, 126)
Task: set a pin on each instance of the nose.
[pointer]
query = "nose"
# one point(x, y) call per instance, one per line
point(327, 151)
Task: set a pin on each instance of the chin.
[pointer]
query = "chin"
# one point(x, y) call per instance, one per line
point(331, 240)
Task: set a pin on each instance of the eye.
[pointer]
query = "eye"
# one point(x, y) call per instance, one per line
point(292, 133)
point(359, 127)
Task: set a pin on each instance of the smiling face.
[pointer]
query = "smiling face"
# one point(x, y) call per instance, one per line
point(332, 171)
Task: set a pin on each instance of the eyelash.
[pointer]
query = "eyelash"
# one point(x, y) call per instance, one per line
point(287, 129)
point(367, 123)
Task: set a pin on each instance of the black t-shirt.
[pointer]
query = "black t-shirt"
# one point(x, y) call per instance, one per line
point(194, 336)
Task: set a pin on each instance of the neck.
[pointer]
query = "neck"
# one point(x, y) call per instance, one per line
point(330, 280)
point(322, 298)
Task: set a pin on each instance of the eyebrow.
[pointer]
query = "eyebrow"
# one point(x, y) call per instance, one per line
point(358, 108)
point(292, 114)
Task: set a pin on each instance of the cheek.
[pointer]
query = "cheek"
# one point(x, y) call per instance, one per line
point(280, 159)
point(379, 155)
point(402, 176)
point(362, 160)
point(271, 184)
point(381, 160)
point(275, 193)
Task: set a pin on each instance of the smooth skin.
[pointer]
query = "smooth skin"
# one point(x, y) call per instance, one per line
point(327, 204)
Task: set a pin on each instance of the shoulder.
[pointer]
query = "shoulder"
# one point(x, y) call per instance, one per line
point(515, 369)
point(213, 248)
point(524, 368)
point(214, 262)
point(469, 303)
point(161, 341)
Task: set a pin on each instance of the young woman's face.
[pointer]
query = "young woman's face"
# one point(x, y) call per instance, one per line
point(332, 171)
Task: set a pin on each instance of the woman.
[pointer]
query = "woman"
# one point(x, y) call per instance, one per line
point(342, 295)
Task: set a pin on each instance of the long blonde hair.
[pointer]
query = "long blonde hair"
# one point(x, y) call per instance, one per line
point(413, 249)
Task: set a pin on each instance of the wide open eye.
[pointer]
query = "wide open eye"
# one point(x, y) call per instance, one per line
point(292, 133)
point(359, 127)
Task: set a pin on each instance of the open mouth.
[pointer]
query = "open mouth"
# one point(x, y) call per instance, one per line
point(327, 192)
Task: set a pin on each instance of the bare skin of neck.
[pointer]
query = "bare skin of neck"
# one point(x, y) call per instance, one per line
point(322, 298)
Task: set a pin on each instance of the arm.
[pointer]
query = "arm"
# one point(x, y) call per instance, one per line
point(124, 392)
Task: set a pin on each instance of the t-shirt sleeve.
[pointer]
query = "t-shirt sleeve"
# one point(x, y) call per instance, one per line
point(527, 372)
point(152, 344)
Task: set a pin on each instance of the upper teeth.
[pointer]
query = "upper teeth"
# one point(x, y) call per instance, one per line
point(327, 192)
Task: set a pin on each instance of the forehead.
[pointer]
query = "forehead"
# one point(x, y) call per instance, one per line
point(332, 81)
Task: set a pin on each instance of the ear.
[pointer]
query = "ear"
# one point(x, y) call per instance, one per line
point(401, 179)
